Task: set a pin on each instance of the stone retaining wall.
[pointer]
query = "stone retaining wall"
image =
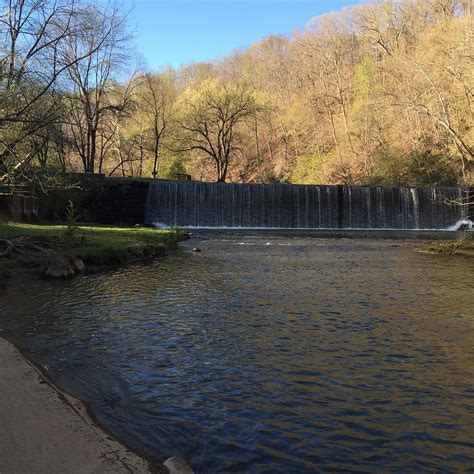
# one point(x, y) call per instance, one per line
point(119, 202)
point(99, 199)
point(19, 206)
point(114, 200)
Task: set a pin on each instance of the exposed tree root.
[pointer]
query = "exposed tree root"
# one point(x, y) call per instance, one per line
point(21, 245)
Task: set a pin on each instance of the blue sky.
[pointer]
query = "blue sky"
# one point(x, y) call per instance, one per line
point(177, 32)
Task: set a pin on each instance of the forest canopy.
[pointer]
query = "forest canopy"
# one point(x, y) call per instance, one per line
point(381, 93)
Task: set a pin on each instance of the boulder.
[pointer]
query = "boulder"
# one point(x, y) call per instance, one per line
point(6, 248)
point(77, 264)
point(60, 269)
point(176, 465)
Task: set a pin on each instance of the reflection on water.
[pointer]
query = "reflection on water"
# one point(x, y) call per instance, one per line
point(268, 355)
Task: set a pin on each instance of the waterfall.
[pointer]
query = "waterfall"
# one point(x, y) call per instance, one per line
point(285, 206)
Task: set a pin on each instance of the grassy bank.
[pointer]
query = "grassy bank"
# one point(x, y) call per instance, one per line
point(463, 247)
point(35, 246)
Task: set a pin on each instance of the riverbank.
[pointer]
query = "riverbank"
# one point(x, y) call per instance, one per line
point(28, 247)
point(461, 247)
point(45, 430)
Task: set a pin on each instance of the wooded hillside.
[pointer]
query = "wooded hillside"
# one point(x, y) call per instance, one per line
point(381, 93)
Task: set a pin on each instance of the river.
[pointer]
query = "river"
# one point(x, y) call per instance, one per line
point(265, 354)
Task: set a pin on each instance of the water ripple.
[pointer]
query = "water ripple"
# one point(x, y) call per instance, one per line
point(302, 355)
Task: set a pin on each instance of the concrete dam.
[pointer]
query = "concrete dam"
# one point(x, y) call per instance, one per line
point(287, 206)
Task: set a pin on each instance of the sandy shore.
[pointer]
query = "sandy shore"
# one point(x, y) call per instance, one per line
point(43, 430)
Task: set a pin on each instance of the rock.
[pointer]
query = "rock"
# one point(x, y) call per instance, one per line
point(176, 465)
point(196, 249)
point(77, 264)
point(6, 248)
point(60, 269)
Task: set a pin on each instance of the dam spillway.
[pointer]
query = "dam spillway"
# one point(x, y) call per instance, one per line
point(287, 206)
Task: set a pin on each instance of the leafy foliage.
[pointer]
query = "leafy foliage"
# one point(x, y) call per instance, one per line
point(71, 222)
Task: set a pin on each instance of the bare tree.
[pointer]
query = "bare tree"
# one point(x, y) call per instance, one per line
point(32, 36)
point(93, 94)
point(156, 107)
point(211, 122)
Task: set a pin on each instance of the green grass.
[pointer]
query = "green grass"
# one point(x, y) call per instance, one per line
point(100, 245)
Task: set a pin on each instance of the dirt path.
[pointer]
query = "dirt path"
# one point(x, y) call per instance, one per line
point(45, 431)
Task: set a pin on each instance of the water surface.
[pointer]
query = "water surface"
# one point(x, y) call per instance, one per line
point(268, 354)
